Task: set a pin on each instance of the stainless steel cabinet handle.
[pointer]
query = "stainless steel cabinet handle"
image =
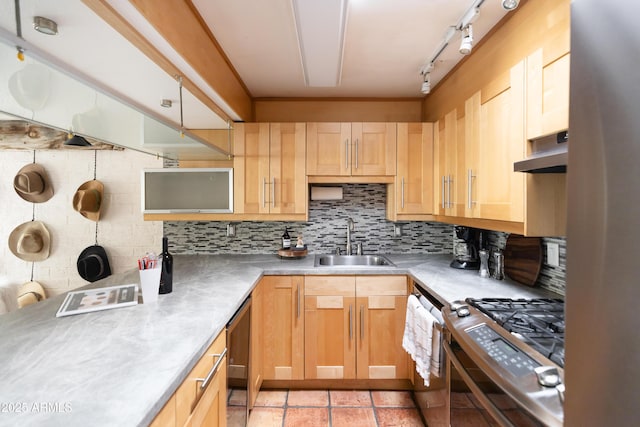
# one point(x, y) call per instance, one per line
point(346, 154)
point(350, 322)
point(402, 194)
point(273, 192)
point(479, 394)
point(444, 203)
point(205, 381)
point(362, 323)
point(449, 202)
point(470, 177)
point(264, 191)
point(356, 153)
point(297, 301)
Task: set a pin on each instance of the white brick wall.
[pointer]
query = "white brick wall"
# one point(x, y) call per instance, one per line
point(121, 230)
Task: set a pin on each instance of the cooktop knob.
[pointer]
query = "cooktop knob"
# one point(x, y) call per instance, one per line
point(455, 305)
point(463, 311)
point(548, 376)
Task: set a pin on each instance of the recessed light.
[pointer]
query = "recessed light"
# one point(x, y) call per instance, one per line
point(166, 103)
point(45, 25)
point(510, 4)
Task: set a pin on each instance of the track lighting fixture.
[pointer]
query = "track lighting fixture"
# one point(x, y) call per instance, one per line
point(466, 43)
point(426, 84)
point(510, 4)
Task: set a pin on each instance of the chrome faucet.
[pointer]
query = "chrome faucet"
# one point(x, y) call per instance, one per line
point(350, 228)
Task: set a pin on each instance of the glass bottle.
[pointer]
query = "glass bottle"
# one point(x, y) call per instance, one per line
point(286, 239)
point(166, 276)
point(484, 263)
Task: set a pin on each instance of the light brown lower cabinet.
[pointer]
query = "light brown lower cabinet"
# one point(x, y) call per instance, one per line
point(167, 415)
point(201, 398)
point(354, 326)
point(282, 327)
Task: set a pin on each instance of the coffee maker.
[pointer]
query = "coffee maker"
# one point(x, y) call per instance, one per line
point(466, 256)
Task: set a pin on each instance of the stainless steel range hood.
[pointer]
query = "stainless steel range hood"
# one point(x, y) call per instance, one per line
point(549, 155)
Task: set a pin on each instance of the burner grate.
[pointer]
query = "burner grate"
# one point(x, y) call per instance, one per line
point(538, 322)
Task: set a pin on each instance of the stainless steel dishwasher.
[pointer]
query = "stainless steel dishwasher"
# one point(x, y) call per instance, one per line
point(238, 335)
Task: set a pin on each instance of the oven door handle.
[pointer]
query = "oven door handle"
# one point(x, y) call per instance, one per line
point(479, 394)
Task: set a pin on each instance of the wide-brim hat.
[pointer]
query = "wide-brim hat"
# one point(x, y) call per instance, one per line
point(32, 184)
point(29, 293)
point(93, 264)
point(88, 199)
point(30, 241)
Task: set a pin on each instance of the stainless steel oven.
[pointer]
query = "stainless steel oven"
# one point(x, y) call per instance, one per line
point(500, 377)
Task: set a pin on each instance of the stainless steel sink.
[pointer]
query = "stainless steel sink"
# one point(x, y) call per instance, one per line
point(352, 261)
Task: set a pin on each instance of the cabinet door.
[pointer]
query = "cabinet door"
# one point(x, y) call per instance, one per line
point(167, 416)
point(472, 154)
point(251, 168)
point(329, 149)
point(330, 348)
point(500, 189)
point(414, 179)
point(211, 410)
point(288, 179)
point(256, 367)
point(190, 394)
point(450, 159)
point(381, 304)
point(547, 92)
point(373, 147)
point(282, 327)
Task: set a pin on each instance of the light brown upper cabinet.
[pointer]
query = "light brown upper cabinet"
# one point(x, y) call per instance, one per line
point(547, 92)
point(449, 164)
point(351, 149)
point(475, 147)
point(410, 197)
point(494, 190)
point(269, 170)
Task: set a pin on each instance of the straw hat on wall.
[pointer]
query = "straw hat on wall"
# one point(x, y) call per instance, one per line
point(30, 241)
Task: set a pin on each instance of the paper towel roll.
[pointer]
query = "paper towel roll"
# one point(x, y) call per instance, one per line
point(326, 193)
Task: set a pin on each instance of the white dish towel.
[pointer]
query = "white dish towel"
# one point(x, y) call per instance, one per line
point(421, 339)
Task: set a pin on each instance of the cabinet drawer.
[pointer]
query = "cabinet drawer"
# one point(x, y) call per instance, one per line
point(381, 285)
point(330, 285)
point(189, 392)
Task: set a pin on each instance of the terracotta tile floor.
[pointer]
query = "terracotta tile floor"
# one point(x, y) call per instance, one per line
point(334, 408)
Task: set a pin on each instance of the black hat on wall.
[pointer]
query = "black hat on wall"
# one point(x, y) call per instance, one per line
point(93, 264)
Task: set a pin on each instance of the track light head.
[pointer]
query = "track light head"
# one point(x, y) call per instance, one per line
point(510, 4)
point(466, 43)
point(426, 84)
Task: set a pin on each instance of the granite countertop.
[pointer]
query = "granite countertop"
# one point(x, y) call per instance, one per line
point(118, 367)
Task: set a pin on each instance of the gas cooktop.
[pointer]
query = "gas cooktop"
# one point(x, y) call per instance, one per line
point(538, 322)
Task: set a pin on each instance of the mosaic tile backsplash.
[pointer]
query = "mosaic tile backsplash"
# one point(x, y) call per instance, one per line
point(551, 278)
point(326, 230)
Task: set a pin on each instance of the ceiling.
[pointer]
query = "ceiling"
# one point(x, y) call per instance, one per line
point(386, 45)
